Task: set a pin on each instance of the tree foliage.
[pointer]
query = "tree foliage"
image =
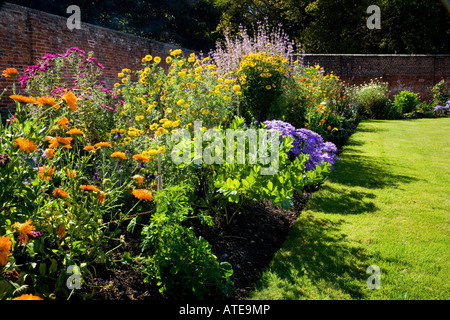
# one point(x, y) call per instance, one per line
point(320, 26)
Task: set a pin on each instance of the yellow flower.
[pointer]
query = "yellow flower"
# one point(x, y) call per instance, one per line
point(153, 126)
point(168, 60)
point(162, 149)
point(180, 102)
point(157, 59)
point(127, 140)
point(176, 52)
point(124, 80)
point(191, 59)
point(120, 74)
point(268, 87)
point(117, 84)
point(139, 118)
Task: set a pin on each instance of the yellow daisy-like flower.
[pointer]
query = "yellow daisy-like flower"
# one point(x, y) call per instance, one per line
point(153, 126)
point(180, 102)
point(127, 140)
point(120, 74)
point(138, 118)
point(176, 52)
point(157, 59)
point(168, 60)
point(124, 80)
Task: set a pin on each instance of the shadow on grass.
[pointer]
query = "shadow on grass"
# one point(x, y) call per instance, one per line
point(319, 262)
point(368, 172)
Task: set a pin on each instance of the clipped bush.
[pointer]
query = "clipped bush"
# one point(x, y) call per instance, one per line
point(406, 101)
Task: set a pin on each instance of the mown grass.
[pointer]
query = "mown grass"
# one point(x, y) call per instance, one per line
point(386, 204)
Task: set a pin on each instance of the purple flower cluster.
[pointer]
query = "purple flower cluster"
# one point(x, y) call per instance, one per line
point(306, 142)
point(31, 71)
point(443, 108)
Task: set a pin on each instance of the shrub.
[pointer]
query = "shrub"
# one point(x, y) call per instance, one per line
point(406, 101)
point(374, 100)
point(441, 92)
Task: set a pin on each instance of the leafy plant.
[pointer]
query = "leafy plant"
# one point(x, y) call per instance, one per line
point(406, 101)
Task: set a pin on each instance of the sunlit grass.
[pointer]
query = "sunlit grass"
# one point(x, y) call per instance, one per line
point(386, 204)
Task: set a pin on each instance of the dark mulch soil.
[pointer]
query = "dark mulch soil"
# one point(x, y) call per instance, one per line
point(248, 243)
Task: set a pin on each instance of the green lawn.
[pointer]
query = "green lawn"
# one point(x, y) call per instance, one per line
point(386, 204)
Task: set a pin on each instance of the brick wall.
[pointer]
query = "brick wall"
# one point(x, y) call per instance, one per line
point(27, 34)
point(418, 73)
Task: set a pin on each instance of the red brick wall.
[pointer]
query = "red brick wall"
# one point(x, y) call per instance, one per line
point(418, 73)
point(27, 34)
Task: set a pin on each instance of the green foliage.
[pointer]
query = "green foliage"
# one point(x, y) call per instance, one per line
point(374, 100)
point(441, 92)
point(406, 101)
point(176, 259)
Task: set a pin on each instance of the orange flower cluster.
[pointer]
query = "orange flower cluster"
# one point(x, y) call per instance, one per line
point(118, 154)
point(46, 174)
point(28, 297)
point(5, 250)
point(23, 99)
point(59, 193)
point(24, 230)
point(25, 145)
point(10, 73)
point(143, 194)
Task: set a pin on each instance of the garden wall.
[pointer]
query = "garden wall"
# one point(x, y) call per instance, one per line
point(418, 73)
point(27, 34)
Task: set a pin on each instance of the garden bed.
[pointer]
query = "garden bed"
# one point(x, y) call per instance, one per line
point(249, 243)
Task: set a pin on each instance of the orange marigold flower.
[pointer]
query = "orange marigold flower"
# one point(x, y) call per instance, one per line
point(61, 232)
point(89, 148)
point(71, 174)
point(75, 131)
point(50, 153)
point(24, 230)
point(140, 157)
point(101, 197)
point(25, 145)
point(143, 194)
point(10, 73)
point(23, 99)
point(53, 142)
point(46, 101)
point(71, 100)
point(28, 297)
point(5, 249)
point(140, 179)
point(63, 123)
point(88, 187)
point(119, 155)
point(46, 174)
point(329, 128)
point(322, 122)
point(64, 141)
point(59, 193)
point(103, 144)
